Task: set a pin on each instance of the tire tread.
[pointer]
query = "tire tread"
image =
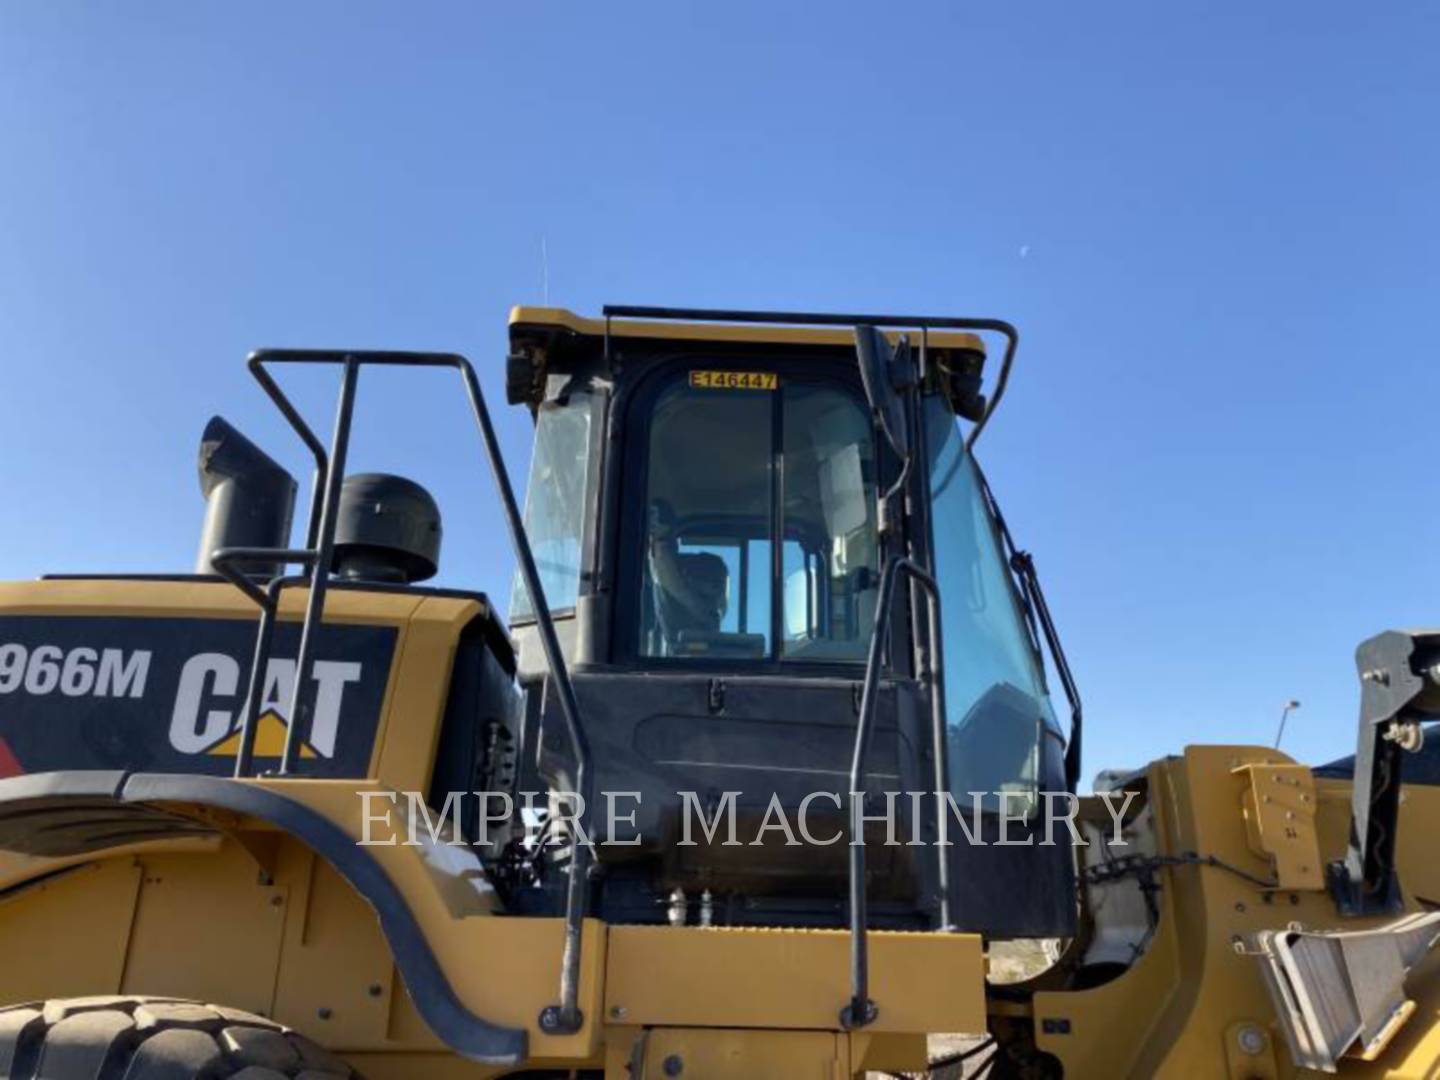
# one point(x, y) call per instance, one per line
point(154, 1038)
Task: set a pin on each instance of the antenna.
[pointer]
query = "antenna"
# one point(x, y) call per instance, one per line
point(1290, 706)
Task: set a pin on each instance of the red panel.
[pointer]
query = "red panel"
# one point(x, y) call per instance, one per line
point(9, 763)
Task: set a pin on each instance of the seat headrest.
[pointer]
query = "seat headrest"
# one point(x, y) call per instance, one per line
point(705, 572)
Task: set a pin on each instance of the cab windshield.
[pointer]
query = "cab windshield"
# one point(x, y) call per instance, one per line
point(759, 537)
point(1002, 735)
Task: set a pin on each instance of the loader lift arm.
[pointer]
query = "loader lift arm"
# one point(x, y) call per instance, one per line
point(1400, 687)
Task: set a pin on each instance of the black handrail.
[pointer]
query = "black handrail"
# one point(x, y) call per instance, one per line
point(318, 555)
point(815, 318)
point(312, 442)
point(1023, 563)
point(224, 560)
point(323, 544)
point(860, 1010)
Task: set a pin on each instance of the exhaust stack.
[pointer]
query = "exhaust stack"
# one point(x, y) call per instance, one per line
point(249, 499)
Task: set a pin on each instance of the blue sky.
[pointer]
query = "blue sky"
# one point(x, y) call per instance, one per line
point(1216, 226)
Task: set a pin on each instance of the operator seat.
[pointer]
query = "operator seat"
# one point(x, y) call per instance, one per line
point(691, 592)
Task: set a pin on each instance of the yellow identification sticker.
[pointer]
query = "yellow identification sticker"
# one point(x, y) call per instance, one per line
point(734, 380)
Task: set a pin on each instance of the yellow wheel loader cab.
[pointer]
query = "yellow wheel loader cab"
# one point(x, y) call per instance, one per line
point(771, 764)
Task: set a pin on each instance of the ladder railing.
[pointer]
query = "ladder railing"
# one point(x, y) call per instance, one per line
point(860, 1010)
point(317, 557)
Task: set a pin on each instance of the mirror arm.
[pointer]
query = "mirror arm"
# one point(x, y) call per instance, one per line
point(1012, 342)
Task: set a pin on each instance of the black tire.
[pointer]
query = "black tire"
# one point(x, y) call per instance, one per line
point(151, 1038)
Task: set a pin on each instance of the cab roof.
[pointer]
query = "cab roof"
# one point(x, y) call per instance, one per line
point(542, 325)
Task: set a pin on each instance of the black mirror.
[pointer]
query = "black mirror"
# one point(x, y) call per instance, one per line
point(879, 366)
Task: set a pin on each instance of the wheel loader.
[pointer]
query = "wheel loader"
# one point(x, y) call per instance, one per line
point(773, 756)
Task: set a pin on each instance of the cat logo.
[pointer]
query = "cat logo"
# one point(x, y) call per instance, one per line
point(168, 695)
point(211, 679)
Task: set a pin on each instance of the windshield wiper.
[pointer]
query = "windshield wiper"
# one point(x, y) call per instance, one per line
point(1041, 624)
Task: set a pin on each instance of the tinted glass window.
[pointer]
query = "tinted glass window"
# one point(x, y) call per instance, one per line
point(995, 694)
point(829, 561)
point(727, 461)
point(555, 504)
point(709, 514)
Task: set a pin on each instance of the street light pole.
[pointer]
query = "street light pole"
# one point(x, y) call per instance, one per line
point(1290, 706)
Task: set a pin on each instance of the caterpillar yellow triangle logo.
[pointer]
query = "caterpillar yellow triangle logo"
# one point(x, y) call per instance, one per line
point(269, 739)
